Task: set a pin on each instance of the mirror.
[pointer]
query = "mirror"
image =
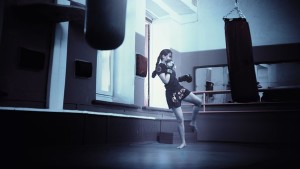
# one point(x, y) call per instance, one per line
point(268, 75)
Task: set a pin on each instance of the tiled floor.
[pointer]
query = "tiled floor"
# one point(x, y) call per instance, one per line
point(154, 155)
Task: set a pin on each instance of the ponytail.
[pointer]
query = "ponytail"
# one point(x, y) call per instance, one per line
point(154, 73)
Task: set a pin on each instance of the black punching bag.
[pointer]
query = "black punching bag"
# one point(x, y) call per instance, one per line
point(242, 76)
point(105, 23)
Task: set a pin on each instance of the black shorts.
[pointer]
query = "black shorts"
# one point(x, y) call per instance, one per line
point(174, 97)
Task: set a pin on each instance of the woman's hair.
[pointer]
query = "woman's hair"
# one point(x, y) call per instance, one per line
point(159, 58)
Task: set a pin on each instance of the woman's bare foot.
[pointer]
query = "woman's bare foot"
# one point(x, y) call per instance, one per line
point(181, 146)
point(194, 126)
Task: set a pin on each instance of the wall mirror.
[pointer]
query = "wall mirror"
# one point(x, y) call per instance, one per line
point(268, 75)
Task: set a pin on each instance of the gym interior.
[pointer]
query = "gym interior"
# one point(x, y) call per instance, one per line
point(76, 90)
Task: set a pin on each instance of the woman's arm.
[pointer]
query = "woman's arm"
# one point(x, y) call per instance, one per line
point(165, 77)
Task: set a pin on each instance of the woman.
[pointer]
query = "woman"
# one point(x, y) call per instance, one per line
point(175, 93)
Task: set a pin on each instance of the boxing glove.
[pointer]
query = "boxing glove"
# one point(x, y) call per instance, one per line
point(187, 78)
point(170, 65)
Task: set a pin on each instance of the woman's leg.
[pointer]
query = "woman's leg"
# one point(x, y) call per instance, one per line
point(179, 116)
point(192, 98)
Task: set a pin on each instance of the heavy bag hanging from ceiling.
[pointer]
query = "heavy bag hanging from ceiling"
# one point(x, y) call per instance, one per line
point(105, 23)
point(240, 62)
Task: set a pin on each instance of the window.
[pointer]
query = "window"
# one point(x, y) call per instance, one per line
point(104, 83)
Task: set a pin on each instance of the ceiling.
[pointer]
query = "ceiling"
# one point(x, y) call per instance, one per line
point(175, 9)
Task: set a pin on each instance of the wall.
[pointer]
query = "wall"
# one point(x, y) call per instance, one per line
point(271, 22)
point(58, 62)
point(284, 74)
point(139, 82)
point(24, 82)
point(37, 129)
point(79, 90)
point(1, 17)
point(56, 83)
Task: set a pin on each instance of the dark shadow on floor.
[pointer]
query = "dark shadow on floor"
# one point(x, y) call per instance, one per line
point(154, 155)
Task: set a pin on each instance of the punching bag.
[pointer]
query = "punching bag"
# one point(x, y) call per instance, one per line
point(105, 23)
point(242, 76)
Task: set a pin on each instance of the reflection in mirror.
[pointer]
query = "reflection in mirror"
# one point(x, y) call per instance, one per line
point(270, 75)
point(213, 78)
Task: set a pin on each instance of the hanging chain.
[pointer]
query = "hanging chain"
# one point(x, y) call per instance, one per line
point(239, 12)
point(237, 9)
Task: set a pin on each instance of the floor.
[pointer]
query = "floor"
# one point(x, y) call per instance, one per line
point(154, 155)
